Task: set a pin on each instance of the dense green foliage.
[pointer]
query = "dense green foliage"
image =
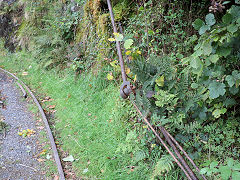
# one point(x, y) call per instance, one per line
point(183, 60)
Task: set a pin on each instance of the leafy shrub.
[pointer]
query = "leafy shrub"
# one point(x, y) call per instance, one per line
point(201, 90)
point(230, 169)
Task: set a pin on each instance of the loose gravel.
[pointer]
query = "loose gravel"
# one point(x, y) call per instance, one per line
point(18, 155)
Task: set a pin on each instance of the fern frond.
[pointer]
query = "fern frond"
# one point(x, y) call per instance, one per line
point(164, 165)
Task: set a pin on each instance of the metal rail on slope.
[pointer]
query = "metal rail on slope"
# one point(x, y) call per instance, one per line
point(125, 88)
point(53, 145)
point(125, 91)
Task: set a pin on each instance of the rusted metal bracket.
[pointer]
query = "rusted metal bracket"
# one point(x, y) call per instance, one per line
point(125, 89)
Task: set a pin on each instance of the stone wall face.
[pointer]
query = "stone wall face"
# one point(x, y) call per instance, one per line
point(7, 25)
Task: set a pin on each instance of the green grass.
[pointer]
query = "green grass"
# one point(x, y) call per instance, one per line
point(90, 121)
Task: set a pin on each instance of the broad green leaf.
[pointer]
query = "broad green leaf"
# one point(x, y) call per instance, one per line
point(235, 175)
point(225, 172)
point(203, 29)
point(207, 163)
point(236, 74)
point(214, 58)
point(236, 167)
point(197, 53)
point(202, 115)
point(207, 62)
point(230, 80)
point(207, 48)
point(197, 47)
point(224, 51)
point(230, 162)
point(218, 112)
point(237, 1)
point(160, 81)
point(179, 56)
point(227, 18)
point(68, 159)
point(199, 70)
point(235, 12)
point(195, 63)
point(229, 102)
point(210, 19)
point(197, 24)
point(128, 43)
point(233, 90)
point(213, 164)
point(118, 37)
point(194, 85)
point(238, 20)
point(204, 170)
point(216, 89)
point(232, 28)
point(186, 60)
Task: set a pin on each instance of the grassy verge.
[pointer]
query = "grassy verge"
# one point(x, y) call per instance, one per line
point(91, 121)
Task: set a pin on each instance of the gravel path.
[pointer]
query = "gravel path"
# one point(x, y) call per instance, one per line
point(17, 154)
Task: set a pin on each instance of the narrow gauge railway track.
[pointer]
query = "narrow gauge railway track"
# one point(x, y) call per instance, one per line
point(23, 86)
point(125, 91)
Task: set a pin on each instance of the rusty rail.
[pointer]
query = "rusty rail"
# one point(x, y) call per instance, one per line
point(53, 145)
point(125, 91)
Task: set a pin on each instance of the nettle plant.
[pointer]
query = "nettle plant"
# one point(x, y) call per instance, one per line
point(231, 168)
point(214, 65)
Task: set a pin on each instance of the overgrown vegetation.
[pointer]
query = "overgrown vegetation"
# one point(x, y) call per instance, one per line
point(183, 60)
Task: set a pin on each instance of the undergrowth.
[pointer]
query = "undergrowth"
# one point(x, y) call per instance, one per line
point(92, 123)
point(182, 58)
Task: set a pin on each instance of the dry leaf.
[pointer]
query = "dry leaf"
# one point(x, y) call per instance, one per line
point(128, 70)
point(110, 76)
point(56, 177)
point(68, 159)
point(51, 106)
point(42, 152)
point(40, 127)
point(40, 160)
point(47, 97)
point(128, 53)
point(24, 73)
point(111, 39)
point(52, 111)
